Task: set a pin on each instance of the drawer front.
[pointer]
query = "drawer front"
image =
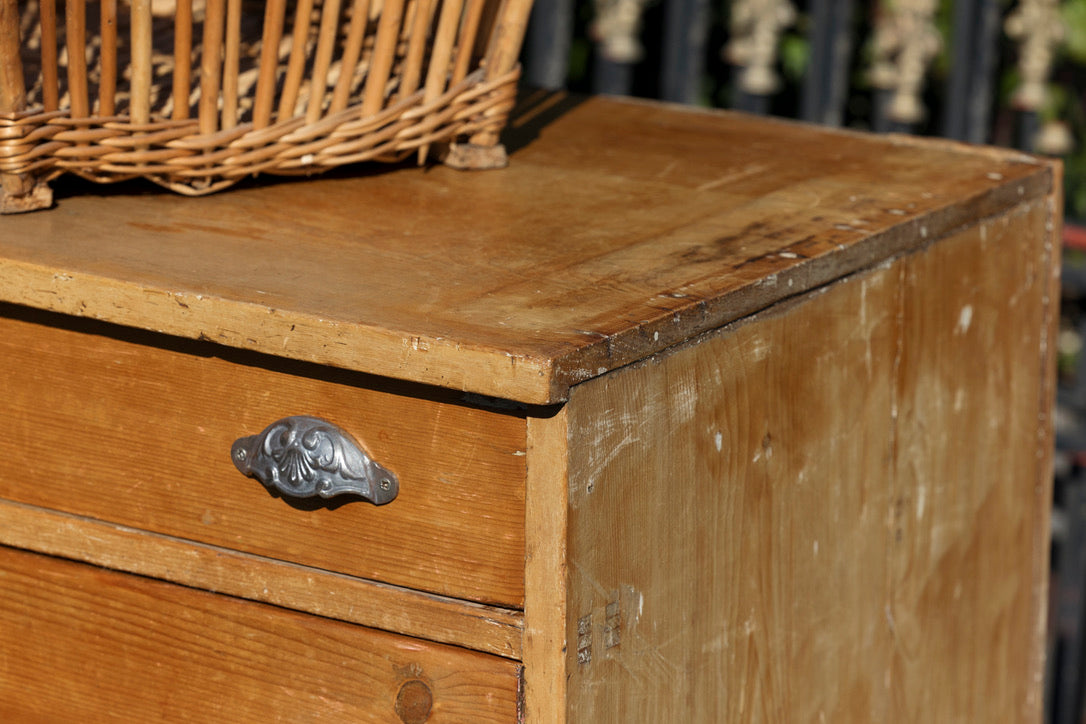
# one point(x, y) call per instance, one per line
point(83, 643)
point(136, 428)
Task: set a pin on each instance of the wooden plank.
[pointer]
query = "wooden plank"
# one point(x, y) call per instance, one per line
point(546, 569)
point(619, 229)
point(137, 428)
point(1046, 431)
point(81, 642)
point(837, 510)
point(219, 570)
point(955, 582)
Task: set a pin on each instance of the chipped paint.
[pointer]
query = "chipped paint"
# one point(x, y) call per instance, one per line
point(965, 319)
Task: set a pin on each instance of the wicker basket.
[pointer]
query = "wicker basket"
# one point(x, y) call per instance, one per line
point(198, 94)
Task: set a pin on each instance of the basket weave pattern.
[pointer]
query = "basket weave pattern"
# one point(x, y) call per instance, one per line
point(198, 94)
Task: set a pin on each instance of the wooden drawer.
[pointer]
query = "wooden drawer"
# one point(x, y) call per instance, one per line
point(80, 641)
point(112, 424)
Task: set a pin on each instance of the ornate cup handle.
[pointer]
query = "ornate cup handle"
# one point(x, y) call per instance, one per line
point(305, 457)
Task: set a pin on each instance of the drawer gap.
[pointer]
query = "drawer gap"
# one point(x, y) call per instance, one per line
point(489, 629)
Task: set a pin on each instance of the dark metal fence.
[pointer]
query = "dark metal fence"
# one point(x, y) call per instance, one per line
point(684, 51)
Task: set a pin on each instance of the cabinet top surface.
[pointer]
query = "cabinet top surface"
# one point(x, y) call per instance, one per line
point(620, 228)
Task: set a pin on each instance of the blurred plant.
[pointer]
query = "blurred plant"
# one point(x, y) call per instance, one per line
point(796, 51)
point(1073, 13)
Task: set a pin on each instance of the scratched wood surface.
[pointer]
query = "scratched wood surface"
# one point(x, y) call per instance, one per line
point(836, 510)
point(136, 429)
point(84, 644)
point(620, 228)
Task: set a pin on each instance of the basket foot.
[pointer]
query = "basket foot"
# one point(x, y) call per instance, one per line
point(20, 193)
point(473, 157)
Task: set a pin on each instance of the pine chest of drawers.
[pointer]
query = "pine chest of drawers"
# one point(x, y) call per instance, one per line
point(685, 416)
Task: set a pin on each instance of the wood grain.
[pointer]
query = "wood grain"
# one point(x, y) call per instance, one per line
point(834, 511)
point(219, 570)
point(545, 570)
point(620, 229)
point(119, 429)
point(80, 643)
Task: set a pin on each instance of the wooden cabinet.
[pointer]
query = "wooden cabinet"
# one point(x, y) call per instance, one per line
point(694, 416)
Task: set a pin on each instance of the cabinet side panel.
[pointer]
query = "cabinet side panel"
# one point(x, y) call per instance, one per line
point(837, 510)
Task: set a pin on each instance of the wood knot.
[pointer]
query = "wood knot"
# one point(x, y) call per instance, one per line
point(414, 702)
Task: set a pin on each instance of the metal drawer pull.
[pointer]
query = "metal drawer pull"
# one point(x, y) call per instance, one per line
point(305, 457)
